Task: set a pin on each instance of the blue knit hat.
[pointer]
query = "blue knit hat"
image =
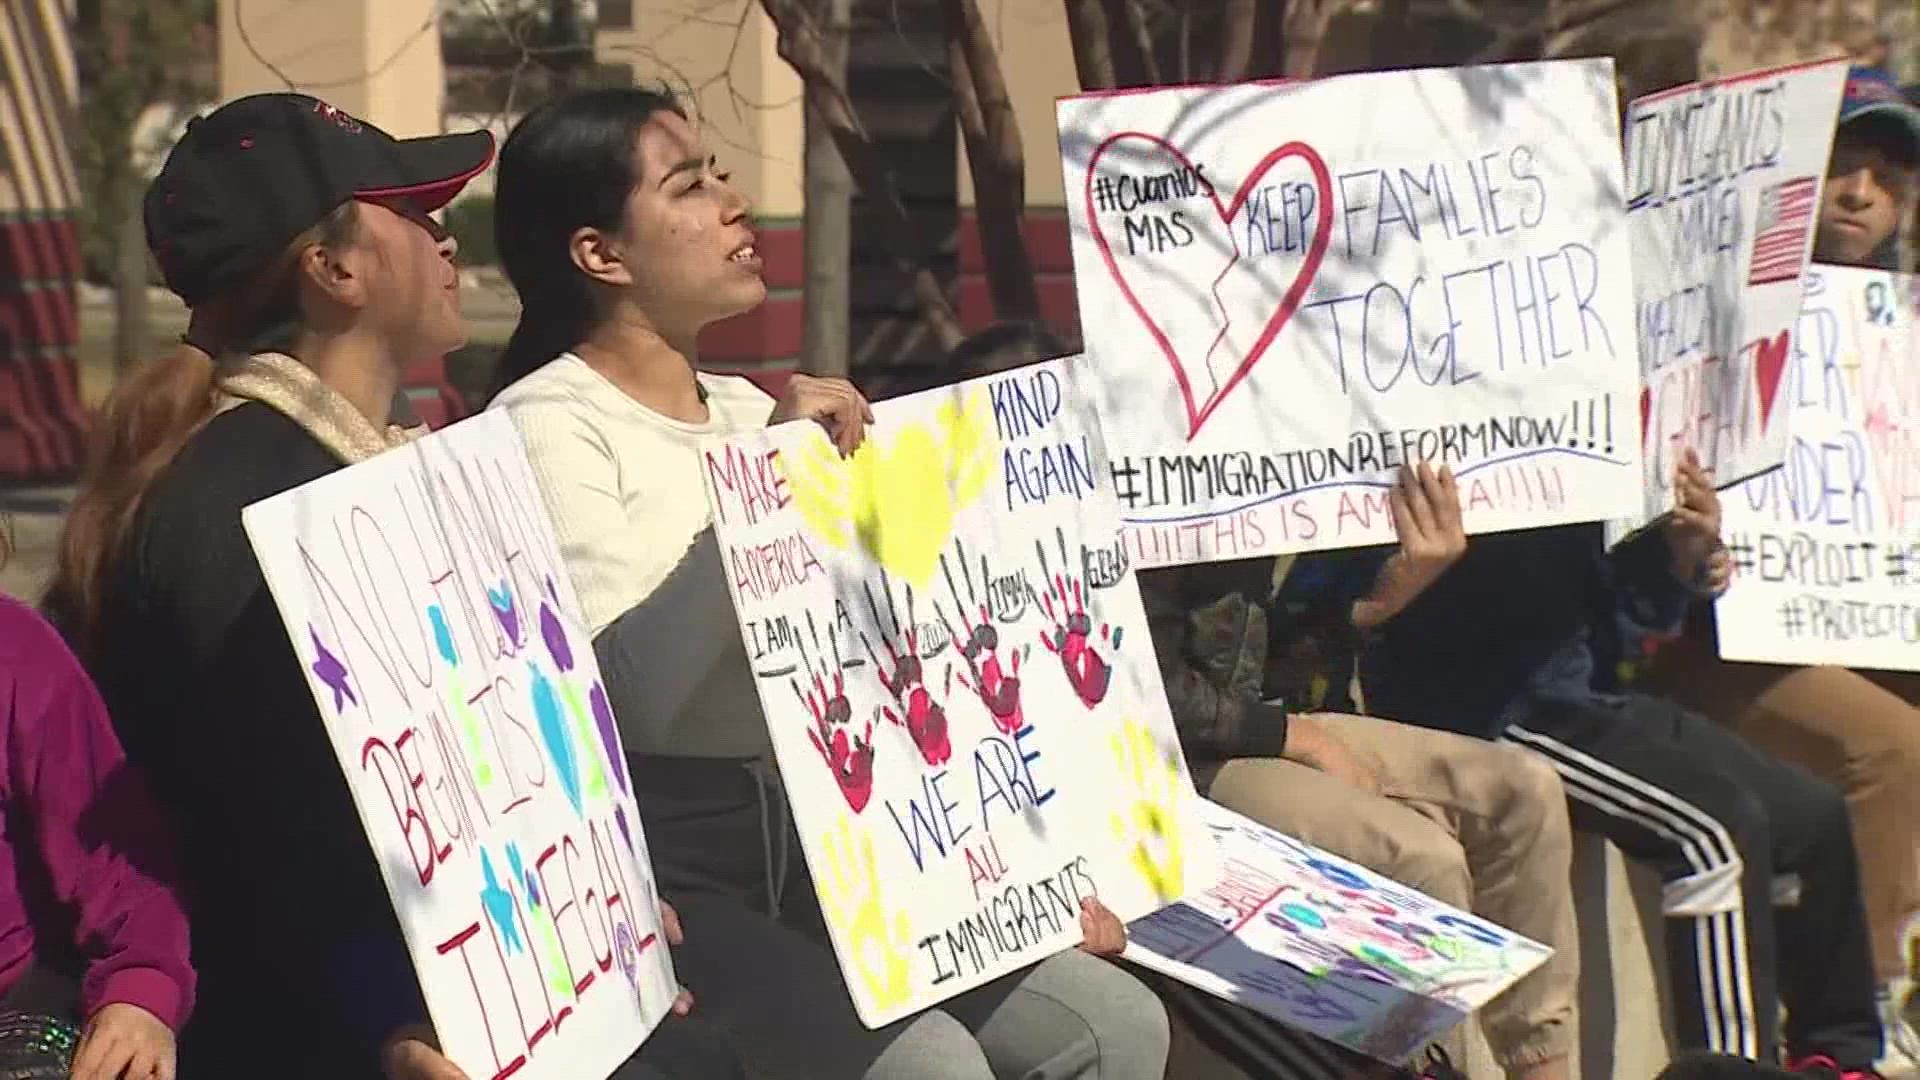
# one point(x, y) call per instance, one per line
point(1874, 92)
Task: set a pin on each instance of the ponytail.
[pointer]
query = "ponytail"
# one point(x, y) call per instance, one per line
point(554, 317)
point(144, 423)
point(149, 417)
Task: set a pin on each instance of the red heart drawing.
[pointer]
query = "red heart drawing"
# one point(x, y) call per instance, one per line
point(1197, 412)
point(1769, 363)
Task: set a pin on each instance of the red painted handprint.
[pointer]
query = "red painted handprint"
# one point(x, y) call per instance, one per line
point(849, 756)
point(996, 684)
point(905, 677)
point(1071, 636)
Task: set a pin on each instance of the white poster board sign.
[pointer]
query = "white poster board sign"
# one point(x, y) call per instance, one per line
point(1290, 291)
point(958, 679)
point(1826, 550)
point(1329, 947)
point(424, 593)
point(1723, 192)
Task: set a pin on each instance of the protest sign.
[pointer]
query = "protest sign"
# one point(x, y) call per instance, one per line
point(955, 668)
point(424, 593)
point(1290, 291)
point(1723, 190)
point(1327, 946)
point(1825, 550)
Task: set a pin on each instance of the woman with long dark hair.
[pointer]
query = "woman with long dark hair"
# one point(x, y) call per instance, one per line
point(624, 240)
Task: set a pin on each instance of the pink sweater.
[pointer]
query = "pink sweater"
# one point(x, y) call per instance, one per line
point(84, 847)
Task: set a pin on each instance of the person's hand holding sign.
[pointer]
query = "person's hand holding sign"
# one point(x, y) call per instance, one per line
point(670, 925)
point(1101, 931)
point(833, 403)
point(413, 1053)
point(1693, 530)
point(1426, 517)
point(124, 1040)
point(1719, 572)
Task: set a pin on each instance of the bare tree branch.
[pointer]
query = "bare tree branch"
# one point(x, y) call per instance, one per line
point(246, 39)
point(1092, 47)
point(1237, 19)
point(1132, 46)
point(798, 43)
point(995, 160)
point(1304, 29)
point(1513, 42)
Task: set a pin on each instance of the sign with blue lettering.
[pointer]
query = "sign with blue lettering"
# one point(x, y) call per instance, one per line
point(953, 661)
point(1291, 291)
point(1723, 189)
point(440, 634)
point(1825, 550)
point(1329, 947)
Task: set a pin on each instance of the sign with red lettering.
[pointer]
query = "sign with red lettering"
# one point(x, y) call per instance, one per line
point(1292, 291)
point(424, 593)
point(1723, 189)
point(1826, 550)
point(954, 665)
point(1327, 946)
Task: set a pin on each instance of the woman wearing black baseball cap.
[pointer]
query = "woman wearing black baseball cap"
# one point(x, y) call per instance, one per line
point(276, 212)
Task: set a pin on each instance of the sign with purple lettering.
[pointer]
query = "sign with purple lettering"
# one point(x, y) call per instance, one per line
point(1723, 190)
point(1329, 947)
point(1825, 550)
point(1293, 290)
point(424, 593)
point(955, 669)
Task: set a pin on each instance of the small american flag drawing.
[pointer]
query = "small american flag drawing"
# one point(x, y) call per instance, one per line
point(1780, 231)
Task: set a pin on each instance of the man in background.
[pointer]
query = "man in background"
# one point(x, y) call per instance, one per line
point(1871, 177)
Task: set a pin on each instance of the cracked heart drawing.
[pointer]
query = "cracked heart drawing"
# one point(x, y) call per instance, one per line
point(1194, 327)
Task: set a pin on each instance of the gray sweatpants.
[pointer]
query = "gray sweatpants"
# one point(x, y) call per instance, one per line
point(781, 995)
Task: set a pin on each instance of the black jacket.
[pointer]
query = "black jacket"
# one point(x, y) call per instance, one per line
point(294, 935)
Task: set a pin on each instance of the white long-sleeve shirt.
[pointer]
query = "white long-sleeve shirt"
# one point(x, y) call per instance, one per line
point(624, 490)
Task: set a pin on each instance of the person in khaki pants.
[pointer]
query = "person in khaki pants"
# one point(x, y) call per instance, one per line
point(1479, 825)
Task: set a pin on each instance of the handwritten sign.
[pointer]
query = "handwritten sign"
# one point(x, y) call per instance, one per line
point(1826, 549)
point(1330, 947)
point(1290, 291)
point(424, 593)
point(1723, 191)
point(957, 676)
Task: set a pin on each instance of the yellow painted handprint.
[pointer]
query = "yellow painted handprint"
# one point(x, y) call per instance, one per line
point(1150, 824)
point(897, 498)
point(850, 892)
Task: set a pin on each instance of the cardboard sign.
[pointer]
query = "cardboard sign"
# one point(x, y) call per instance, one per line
point(1723, 193)
point(425, 596)
point(1825, 550)
point(957, 675)
point(1291, 291)
point(1329, 947)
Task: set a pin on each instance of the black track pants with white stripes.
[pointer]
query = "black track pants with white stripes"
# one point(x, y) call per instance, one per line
point(1720, 820)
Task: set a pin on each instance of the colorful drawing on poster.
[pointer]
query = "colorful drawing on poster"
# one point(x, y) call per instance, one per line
point(931, 731)
point(1146, 824)
point(1327, 946)
point(1281, 324)
point(445, 651)
point(1825, 549)
point(878, 937)
point(1723, 190)
point(897, 496)
point(904, 673)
